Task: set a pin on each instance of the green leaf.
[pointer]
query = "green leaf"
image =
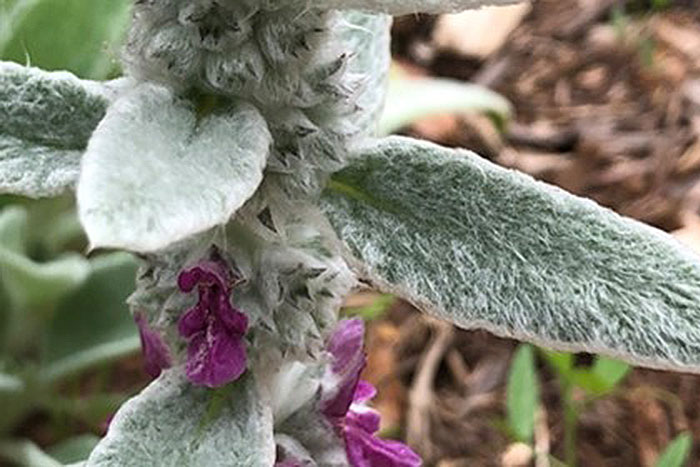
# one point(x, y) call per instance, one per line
point(10, 383)
point(74, 449)
point(404, 7)
point(486, 247)
point(600, 378)
point(82, 36)
point(411, 99)
point(522, 394)
point(46, 120)
point(93, 325)
point(561, 362)
point(677, 452)
point(166, 425)
point(609, 373)
point(13, 229)
point(374, 310)
point(26, 454)
point(28, 283)
point(153, 174)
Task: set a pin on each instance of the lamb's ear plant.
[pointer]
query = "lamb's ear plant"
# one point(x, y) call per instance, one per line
point(237, 159)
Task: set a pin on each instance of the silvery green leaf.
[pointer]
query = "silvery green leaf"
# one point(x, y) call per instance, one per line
point(153, 174)
point(486, 247)
point(367, 35)
point(174, 423)
point(411, 99)
point(46, 120)
point(405, 7)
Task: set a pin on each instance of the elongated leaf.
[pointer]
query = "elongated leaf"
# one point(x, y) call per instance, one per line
point(486, 247)
point(405, 7)
point(676, 453)
point(46, 120)
point(522, 394)
point(411, 99)
point(93, 325)
point(153, 174)
point(82, 36)
point(167, 425)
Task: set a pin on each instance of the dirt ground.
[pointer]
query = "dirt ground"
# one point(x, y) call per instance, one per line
point(607, 105)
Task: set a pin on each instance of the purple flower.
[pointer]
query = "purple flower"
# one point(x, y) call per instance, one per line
point(214, 329)
point(344, 407)
point(155, 352)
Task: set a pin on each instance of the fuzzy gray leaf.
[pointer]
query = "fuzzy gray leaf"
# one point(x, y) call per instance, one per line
point(154, 174)
point(46, 120)
point(173, 423)
point(486, 247)
point(405, 7)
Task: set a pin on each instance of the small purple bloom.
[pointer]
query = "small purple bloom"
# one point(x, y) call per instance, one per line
point(214, 328)
point(345, 408)
point(155, 352)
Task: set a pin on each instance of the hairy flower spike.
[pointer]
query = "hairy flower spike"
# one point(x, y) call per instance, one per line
point(214, 329)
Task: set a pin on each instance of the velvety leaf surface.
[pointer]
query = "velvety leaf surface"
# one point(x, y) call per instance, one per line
point(153, 174)
point(367, 35)
point(486, 247)
point(172, 423)
point(404, 7)
point(46, 120)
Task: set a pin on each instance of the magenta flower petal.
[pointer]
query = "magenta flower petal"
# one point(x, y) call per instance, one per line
point(214, 272)
point(155, 353)
point(365, 418)
point(215, 357)
point(354, 422)
point(214, 328)
point(364, 392)
point(346, 348)
point(366, 450)
point(192, 322)
point(232, 318)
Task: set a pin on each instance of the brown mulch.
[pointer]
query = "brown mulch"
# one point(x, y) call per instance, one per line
point(607, 107)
